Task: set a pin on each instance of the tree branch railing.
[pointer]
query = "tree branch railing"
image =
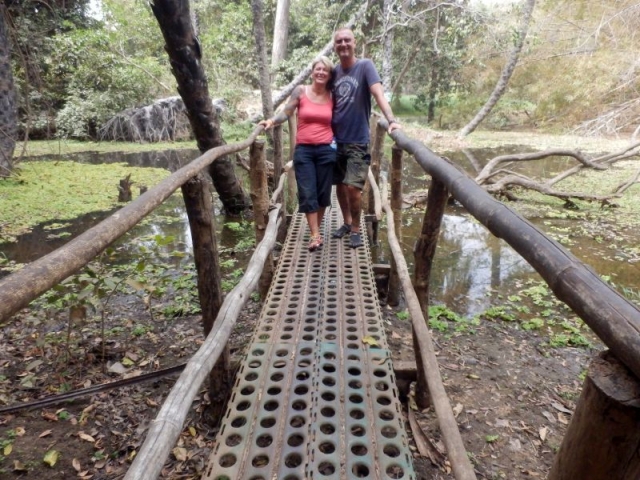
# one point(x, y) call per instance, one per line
point(20, 288)
point(613, 318)
point(164, 431)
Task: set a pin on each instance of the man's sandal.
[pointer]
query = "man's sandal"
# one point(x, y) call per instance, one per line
point(355, 240)
point(342, 231)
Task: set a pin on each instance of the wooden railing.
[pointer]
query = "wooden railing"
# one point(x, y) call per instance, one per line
point(19, 289)
point(603, 436)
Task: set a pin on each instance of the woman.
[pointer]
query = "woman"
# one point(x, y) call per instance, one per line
point(314, 154)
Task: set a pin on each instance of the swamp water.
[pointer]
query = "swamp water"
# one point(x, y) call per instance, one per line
point(472, 267)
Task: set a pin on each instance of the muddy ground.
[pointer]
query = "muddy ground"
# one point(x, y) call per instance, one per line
point(512, 395)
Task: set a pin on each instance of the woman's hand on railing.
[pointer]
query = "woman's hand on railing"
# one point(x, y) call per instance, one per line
point(267, 124)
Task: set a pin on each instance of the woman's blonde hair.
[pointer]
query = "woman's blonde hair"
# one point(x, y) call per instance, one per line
point(325, 61)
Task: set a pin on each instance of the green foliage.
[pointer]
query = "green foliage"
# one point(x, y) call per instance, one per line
point(533, 324)
point(492, 438)
point(403, 315)
point(443, 313)
point(438, 325)
point(107, 72)
point(88, 69)
point(46, 190)
point(498, 313)
point(228, 54)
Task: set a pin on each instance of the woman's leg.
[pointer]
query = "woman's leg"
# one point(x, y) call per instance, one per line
point(312, 220)
point(325, 162)
point(305, 168)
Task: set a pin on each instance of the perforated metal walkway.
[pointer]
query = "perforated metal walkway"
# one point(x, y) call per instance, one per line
point(315, 397)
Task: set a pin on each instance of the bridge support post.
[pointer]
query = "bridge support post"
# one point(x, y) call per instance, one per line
point(423, 254)
point(197, 199)
point(260, 200)
point(376, 160)
point(292, 187)
point(603, 438)
point(395, 181)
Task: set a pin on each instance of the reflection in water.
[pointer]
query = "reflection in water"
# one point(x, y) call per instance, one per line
point(469, 261)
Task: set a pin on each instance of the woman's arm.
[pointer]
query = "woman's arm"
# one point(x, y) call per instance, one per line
point(288, 110)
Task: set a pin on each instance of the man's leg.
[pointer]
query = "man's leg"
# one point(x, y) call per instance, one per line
point(340, 170)
point(355, 196)
point(342, 192)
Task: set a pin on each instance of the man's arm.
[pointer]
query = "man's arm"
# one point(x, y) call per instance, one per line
point(378, 93)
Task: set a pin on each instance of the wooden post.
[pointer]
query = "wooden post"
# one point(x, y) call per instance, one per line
point(425, 248)
point(423, 255)
point(377, 151)
point(603, 438)
point(260, 200)
point(278, 168)
point(292, 187)
point(395, 180)
point(197, 200)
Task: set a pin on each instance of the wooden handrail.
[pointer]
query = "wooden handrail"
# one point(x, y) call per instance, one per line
point(164, 431)
point(20, 288)
point(611, 316)
point(460, 464)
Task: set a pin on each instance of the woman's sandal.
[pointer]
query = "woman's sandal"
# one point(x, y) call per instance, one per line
point(315, 242)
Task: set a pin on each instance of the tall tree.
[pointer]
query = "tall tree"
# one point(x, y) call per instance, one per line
point(33, 26)
point(507, 71)
point(8, 116)
point(184, 52)
point(280, 33)
point(387, 45)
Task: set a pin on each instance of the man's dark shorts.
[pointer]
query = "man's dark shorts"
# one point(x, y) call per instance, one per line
point(352, 164)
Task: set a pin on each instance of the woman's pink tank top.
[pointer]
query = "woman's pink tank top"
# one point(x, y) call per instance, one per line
point(314, 121)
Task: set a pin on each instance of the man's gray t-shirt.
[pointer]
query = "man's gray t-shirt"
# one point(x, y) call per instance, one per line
point(352, 101)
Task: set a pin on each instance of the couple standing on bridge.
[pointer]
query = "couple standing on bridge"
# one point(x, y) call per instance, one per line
point(332, 140)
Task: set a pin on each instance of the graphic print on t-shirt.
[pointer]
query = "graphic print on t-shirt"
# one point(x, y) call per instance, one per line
point(345, 89)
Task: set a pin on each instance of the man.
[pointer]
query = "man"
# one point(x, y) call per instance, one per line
point(355, 80)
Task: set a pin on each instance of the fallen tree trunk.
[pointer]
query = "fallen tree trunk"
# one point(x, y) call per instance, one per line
point(501, 181)
point(165, 120)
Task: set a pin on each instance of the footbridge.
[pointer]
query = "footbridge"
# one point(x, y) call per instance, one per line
point(315, 396)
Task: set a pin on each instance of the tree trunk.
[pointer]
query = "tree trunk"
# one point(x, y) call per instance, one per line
point(184, 53)
point(257, 9)
point(280, 33)
point(603, 436)
point(506, 72)
point(185, 57)
point(433, 89)
point(8, 115)
point(387, 44)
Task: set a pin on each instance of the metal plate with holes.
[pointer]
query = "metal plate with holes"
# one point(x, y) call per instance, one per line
point(315, 397)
